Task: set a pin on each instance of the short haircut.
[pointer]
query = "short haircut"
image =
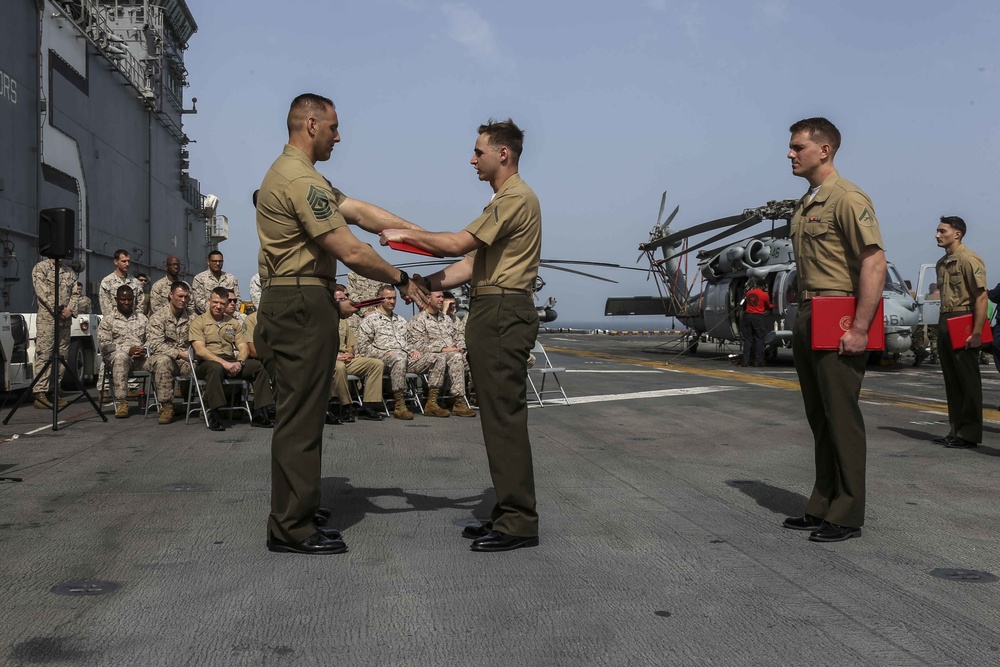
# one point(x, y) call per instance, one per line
point(386, 288)
point(221, 292)
point(178, 284)
point(142, 275)
point(120, 252)
point(215, 252)
point(123, 289)
point(955, 223)
point(305, 105)
point(820, 130)
point(504, 133)
point(448, 295)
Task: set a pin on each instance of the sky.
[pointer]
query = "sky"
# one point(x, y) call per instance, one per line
point(618, 102)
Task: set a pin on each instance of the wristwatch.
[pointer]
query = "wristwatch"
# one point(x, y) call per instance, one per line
point(404, 279)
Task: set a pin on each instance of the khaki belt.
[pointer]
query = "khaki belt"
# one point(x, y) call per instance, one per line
point(807, 294)
point(298, 281)
point(495, 290)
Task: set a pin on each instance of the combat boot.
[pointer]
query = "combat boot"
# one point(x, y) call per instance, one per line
point(42, 402)
point(431, 407)
point(400, 411)
point(461, 409)
point(121, 409)
point(166, 413)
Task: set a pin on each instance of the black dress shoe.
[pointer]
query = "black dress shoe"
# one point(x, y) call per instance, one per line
point(316, 544)
point(497, 541)
point(271, 411)
point(215, 421)
point(261, 420)
point(475, 532)
point(943, 440)
point(329, 533)
point(960, 443)
point(804, 522)
point(322, 516)
point(369, 414)
point(347, 414)
point(831, 532)
point(333, 419)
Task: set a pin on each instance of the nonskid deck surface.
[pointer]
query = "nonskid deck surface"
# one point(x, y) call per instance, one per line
point(661, 492)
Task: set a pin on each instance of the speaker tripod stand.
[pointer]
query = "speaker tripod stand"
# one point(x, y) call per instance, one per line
point(53, 362)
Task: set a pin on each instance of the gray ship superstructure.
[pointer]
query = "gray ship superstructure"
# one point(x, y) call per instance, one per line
point(91, 119)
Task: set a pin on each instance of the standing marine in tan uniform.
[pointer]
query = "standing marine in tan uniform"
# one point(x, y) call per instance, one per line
point(961, 275)
point(505, 245)
point(302, 224)
point(50, 307)
point(838, 252)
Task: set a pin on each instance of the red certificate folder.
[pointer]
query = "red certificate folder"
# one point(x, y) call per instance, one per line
point(368, 302)
point(832, 316)
point(960, 328)
point(406, 247)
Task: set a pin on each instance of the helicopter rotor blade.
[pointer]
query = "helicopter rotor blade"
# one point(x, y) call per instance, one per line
point(581, 273)
point(692, 231)
point(663, 203)
point(670, 218)
point(746, 224)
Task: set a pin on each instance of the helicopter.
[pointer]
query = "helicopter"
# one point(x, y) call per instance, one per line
point(765, 257)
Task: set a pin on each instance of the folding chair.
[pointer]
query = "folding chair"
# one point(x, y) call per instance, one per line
point(354, 386)
point(195, 388)
point(409, 392)
point(544, 368)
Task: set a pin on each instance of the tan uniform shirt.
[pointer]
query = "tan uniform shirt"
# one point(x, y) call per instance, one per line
point(959, 277)
point(830, 233)
point(117, 332)
point(222, 338)
point(80, 304)
point(205, 282)
point(430, 333)
point(109, 292)
point(168, 335)
point(249, 324)
point(348, 341)
point(380, 333)
point(511, 228)
point(43, 279)
point(295, 205)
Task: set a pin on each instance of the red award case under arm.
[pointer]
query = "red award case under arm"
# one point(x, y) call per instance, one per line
point(960, 328)
point(832, 316)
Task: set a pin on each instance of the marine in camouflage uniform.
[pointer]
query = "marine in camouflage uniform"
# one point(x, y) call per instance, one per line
point(118, 336)
point(167, 340)
point(43, 278)
point(384, 336)
point(80, 303)
point(433, 333)
point(159, 293)
point(361, 289)
point(119, 277)
point(255, 290)
point(207, 280)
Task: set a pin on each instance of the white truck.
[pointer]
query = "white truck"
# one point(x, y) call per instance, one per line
point(17, 350)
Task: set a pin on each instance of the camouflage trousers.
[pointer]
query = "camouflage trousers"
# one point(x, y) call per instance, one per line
point(165, 368)
point(399, 364)
point(363, 367)
point(121, 364)
point(457, 365)
point(43, 347)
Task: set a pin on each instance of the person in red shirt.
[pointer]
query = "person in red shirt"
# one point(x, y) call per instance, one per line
point(755, 303)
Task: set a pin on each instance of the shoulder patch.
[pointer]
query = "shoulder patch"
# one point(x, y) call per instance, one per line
point(866, 218)
point(319, 203)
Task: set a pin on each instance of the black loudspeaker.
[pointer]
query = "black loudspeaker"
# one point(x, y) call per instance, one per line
point(55, 233)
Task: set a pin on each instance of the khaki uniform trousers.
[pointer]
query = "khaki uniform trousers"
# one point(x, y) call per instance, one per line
point(500, 334)
point(363, 367)
point(963, 384)
point(43, 347)
point(213, 374)
point(830, 385)
point(293, 339)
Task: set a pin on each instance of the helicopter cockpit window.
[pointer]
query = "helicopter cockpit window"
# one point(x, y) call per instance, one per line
point(893, 281)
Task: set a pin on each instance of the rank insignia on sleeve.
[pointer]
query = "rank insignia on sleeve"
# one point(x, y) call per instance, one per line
point(866, 218)
point(319, 203)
